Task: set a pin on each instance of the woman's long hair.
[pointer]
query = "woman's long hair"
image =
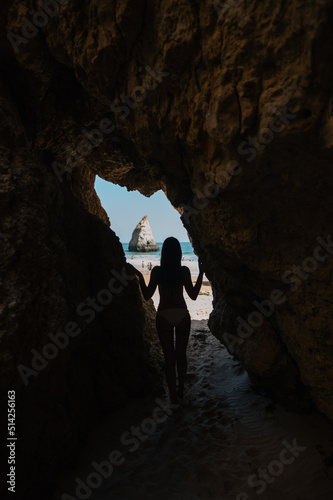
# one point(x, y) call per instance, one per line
point(171, 258)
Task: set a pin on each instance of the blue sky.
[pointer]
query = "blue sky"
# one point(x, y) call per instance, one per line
point(126, 208)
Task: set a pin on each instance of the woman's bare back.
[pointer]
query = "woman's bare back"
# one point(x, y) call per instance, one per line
point(171, 297)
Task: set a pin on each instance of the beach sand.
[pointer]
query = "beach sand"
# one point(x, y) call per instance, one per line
point(213, 446)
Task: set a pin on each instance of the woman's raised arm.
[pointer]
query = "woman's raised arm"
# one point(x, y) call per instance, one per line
point(193, 291)
point(147, 291)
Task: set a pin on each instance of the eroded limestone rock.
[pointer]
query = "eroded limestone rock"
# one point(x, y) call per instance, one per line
point(142, 238)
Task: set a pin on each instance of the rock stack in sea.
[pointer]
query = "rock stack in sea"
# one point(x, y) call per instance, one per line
point(142, 238)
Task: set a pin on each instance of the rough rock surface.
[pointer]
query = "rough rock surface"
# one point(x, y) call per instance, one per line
point(142, 238)
point(56, 256)
point(192, 89)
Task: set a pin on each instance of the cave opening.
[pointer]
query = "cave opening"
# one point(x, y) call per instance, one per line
point(126, 210)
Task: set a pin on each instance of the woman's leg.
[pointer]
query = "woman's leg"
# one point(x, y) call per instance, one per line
point(165, 333)
point(182, 336)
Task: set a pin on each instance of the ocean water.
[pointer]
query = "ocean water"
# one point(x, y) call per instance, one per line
point(155, 257)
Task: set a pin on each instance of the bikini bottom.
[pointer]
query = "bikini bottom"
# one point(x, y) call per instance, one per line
point(174, 316)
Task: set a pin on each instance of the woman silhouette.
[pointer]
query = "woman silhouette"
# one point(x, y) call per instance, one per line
point(172, 313)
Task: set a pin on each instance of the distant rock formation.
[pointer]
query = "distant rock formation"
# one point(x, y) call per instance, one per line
point(142, 238)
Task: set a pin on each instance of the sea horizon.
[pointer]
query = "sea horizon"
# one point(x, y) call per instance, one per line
point(187, 252)
point(159, 242)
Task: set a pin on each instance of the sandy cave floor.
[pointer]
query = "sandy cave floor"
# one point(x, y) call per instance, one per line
point(214, 446)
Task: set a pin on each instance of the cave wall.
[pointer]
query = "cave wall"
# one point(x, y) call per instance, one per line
point(228, 108)
point(55, 256)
